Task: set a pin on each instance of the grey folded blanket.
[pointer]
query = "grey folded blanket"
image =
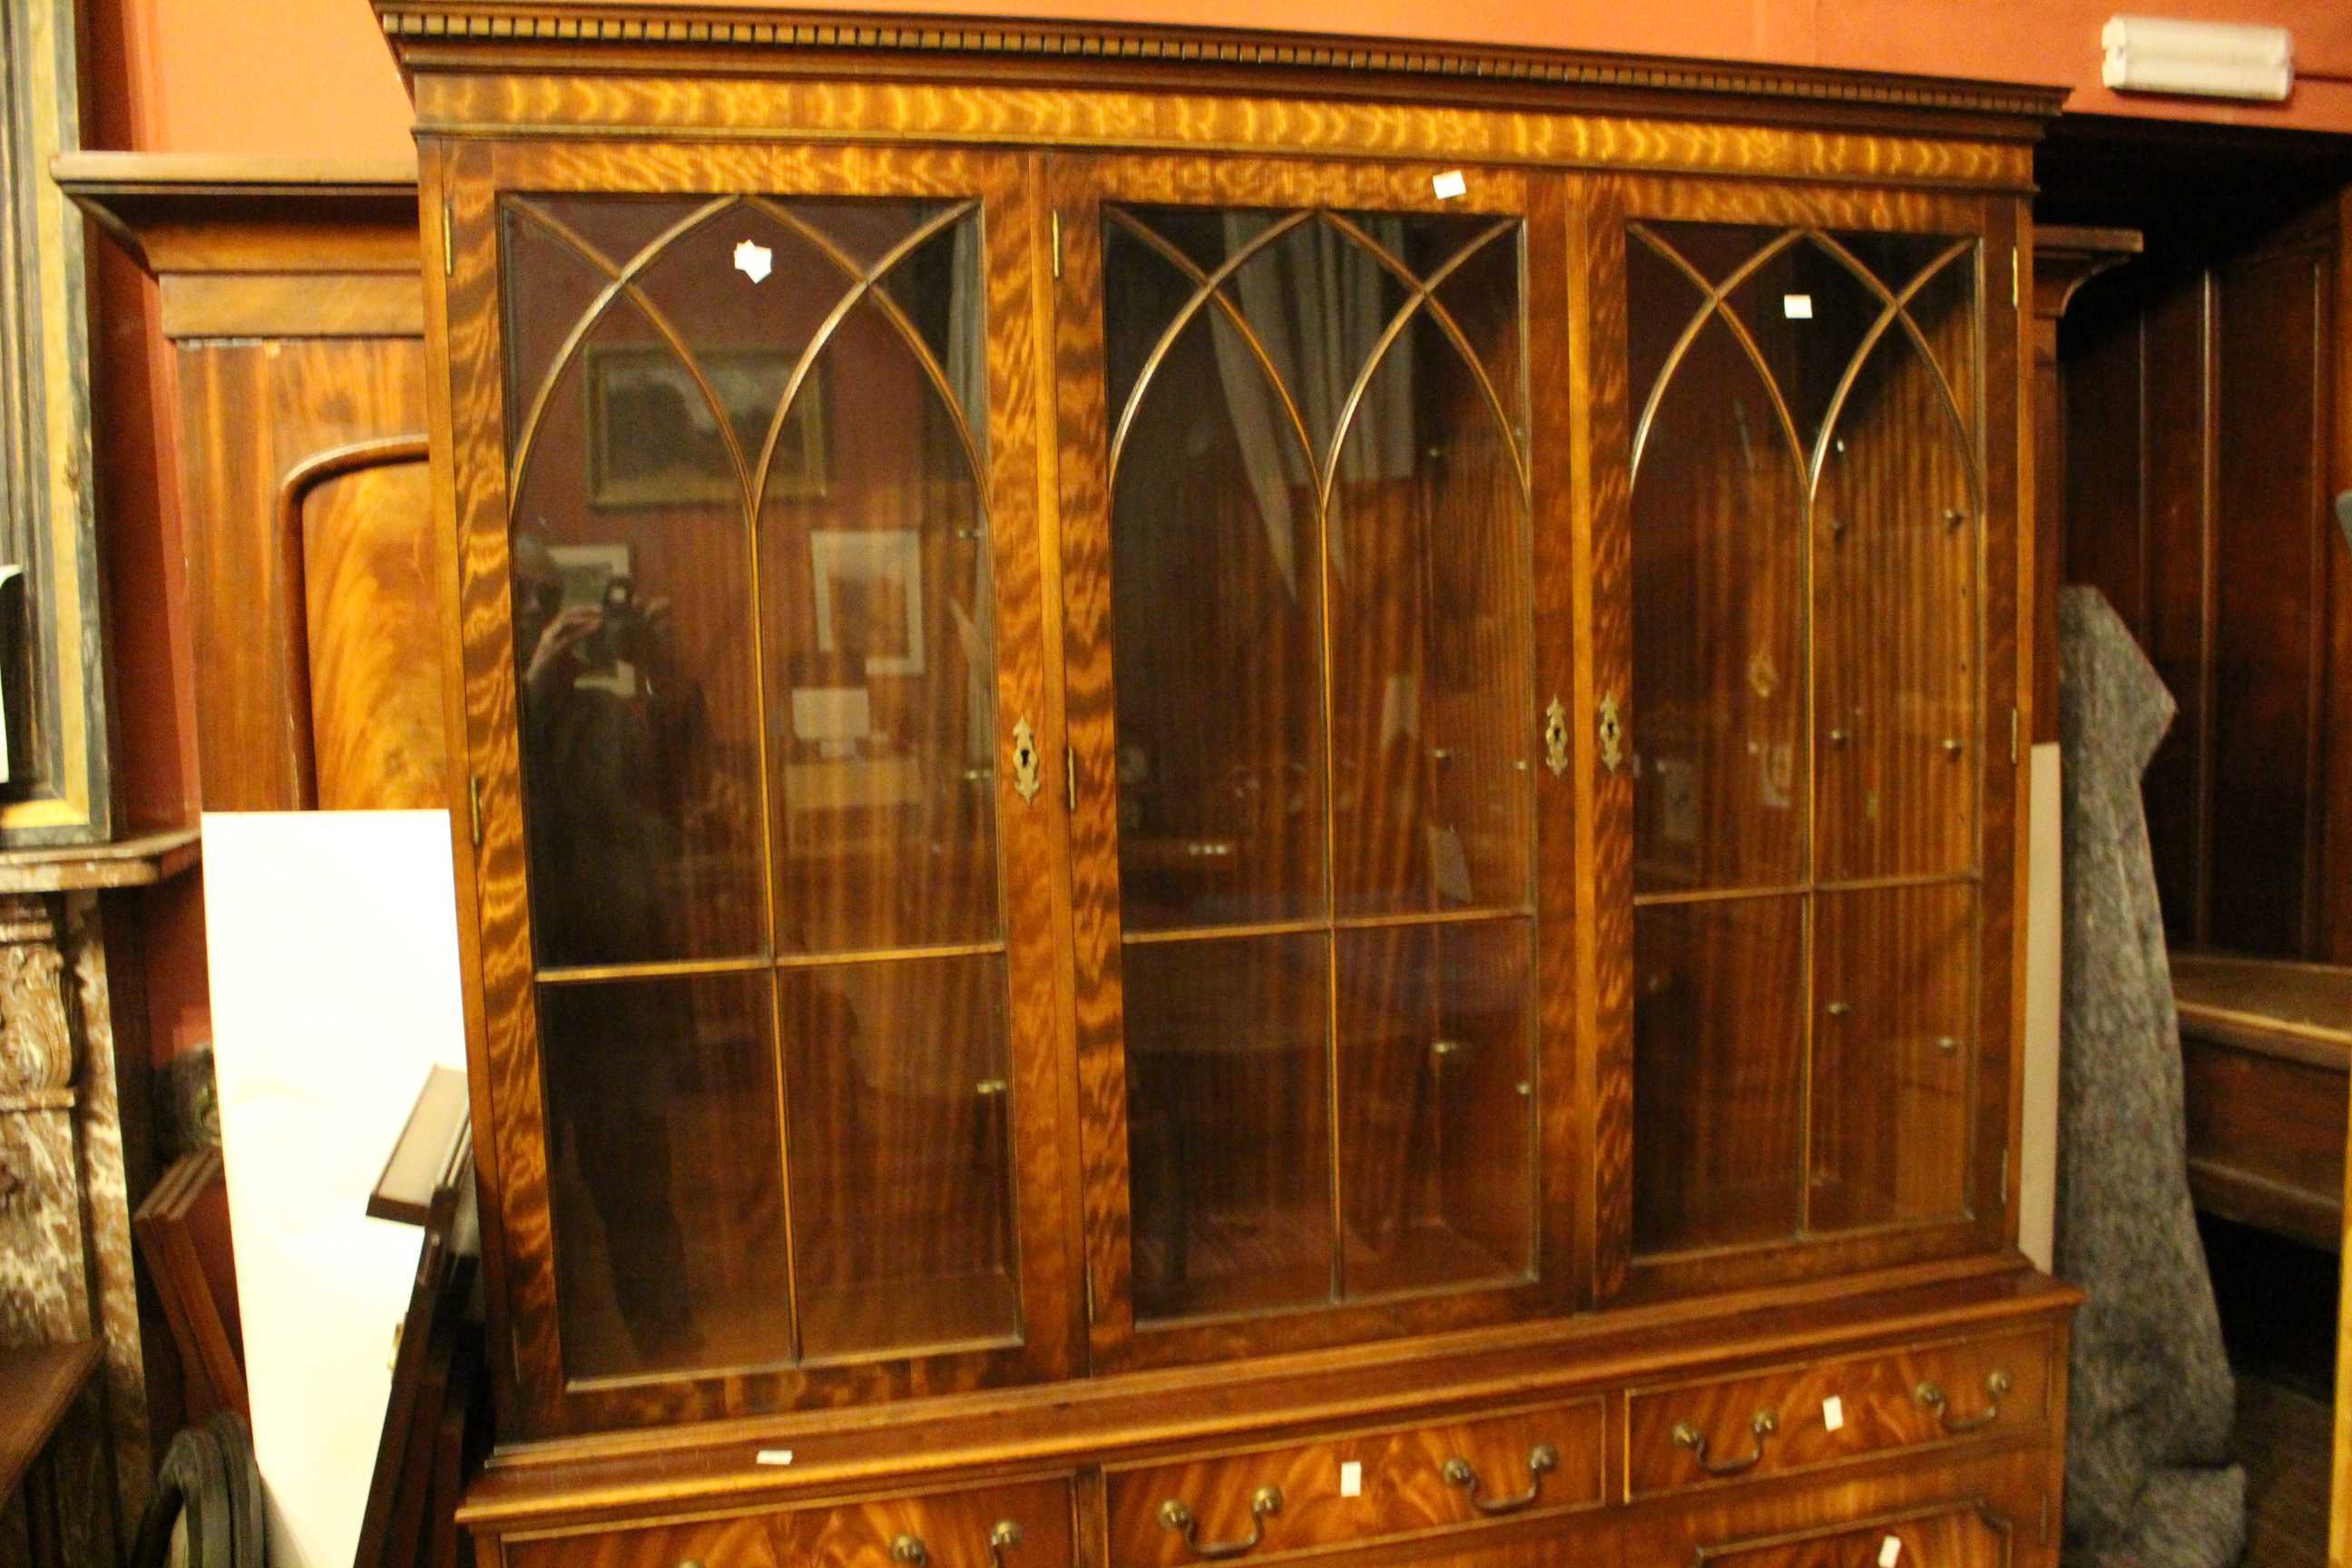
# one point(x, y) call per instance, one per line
point(2149, 1478)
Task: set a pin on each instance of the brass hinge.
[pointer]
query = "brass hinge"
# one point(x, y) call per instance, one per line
point(1058, 244)
point(1087, 1279)
point(2014, 267)
point(448, 238)
point(1070, 777)
point(2013, 734)
point(474, 804)
point(2004, 1174)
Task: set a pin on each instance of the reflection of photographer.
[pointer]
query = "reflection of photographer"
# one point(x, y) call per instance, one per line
point(607, 732)
point(612, 645)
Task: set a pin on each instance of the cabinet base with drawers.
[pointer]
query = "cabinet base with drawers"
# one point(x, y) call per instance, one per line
point(1917, 1426)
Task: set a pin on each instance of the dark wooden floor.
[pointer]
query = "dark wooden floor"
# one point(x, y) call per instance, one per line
point(2284, 1439)
point(2278, 1314)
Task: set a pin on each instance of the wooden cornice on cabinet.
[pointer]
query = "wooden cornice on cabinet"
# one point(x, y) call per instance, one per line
point(263, 246)
point(471, 35)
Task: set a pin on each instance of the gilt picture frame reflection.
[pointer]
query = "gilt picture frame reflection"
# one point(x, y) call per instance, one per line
point(869, 597)
point(653, 440)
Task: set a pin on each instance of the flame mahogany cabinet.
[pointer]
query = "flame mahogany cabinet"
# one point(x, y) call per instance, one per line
point(1230, 798)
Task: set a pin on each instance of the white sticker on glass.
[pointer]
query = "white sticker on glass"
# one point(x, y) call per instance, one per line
point(1890, 1551)
point(1351, 1478)
point(1449, 185)
point(1834, 1413)
point(754, 260)
point(1797, 307)
point(773, 1457)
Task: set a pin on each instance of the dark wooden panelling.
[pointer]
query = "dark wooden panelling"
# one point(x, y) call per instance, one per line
point(2176, 572)
point(2105, 495)
point(2199, 408)
point(2064, 260)
point(2267, 599)
point(249, 412)
point(2336, 911)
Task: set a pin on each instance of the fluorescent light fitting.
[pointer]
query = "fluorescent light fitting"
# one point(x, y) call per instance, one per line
point(2205, 59)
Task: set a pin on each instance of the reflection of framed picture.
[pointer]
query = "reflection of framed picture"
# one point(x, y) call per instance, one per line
point(869, 597)
point(585, 569)
point(652, 440)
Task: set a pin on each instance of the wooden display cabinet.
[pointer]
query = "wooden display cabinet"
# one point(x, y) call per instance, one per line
point(1234, 798)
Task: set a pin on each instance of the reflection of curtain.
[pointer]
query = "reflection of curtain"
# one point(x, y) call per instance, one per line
point(1315, 301)
point(967, 371)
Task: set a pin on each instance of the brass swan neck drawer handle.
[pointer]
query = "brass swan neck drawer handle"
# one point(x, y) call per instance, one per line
point(1265, 1502)
point(1002, 1537)
point(1541, 1459)
point(1687, 1436)
point(1997, 1387)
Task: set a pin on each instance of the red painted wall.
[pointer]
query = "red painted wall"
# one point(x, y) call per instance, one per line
point(313, 77)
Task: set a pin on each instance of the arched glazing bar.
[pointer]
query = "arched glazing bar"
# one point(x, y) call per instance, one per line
point(866, 284)
point(1424, 296)
point(1208, 289)
point(1716, 303)
point(1894, 310)
point(622, 285)
point(752, 474)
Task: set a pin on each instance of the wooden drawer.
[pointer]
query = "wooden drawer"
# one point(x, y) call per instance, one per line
point(1414, 1480)
point(1704, 1433)
point(1957, 1535)
point(947, 1530)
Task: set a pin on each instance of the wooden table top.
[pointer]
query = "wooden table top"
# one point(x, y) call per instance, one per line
point(2300, 1011)
point(36, 1388)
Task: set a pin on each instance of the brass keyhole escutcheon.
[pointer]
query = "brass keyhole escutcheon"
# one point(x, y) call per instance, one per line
point(1612, 732)
point(1555, 735)
point(1024, 760)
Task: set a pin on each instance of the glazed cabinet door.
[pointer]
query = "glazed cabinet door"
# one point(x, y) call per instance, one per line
point(746, 476)
point(1819, 430)
point(1320, 865)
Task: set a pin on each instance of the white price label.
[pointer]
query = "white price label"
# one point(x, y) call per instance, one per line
point(773, 1457)
point(1351, 1478)
point(1890, 1551)
point(1450, 184)
point(754, 260)
point(1834, 1413)
point(1797, 307)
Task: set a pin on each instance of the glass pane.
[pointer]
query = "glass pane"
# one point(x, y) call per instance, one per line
point(1482, 295)
point(665, 1177)
point(1895, 547)
point(746, 334)
point(1719, 674)
point(640, 758)
point(1892, 1055)
point(1808, 313)
point(560, 254)
point(1229, 1135)
point(1432, 765)
point(1436, 1105)
point(1718, 1072)
point(901, 1154)
point(1217, 600)
point(880, 637)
